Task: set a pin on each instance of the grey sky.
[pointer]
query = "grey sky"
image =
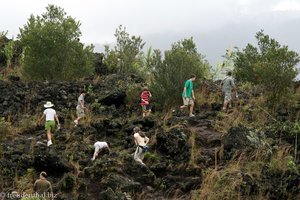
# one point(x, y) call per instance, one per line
point(215, 24)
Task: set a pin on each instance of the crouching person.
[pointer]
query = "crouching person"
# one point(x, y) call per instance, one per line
point(100, 145)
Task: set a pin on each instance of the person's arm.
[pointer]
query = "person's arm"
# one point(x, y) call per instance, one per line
point(57, 119)
point(95, 154)
point(193, 94)
point(41, 118)
point(146, 140)
point(34, 186)
point(50, 191)
point(135, 140)
point(150, 95)
point(82, 104)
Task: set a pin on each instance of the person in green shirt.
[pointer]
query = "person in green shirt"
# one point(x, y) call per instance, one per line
point(188, 95)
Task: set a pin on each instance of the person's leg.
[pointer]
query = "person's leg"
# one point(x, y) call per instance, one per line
point(148, 110)
point(96, 152)
point(144, 111)
point(191, 108)
point(48, 127)
point(225, 104)
point(226, 100)
point(137, 155)
point(80, 114)
point(185, 103)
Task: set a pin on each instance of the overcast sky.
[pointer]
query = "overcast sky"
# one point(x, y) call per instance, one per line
point(214, 24)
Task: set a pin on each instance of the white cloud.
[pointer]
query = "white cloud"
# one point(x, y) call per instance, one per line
point(290, 5)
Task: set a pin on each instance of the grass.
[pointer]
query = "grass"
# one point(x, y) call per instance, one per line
point(194, 149)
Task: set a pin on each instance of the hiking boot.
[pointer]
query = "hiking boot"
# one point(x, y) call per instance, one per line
point(49, 143)
point(192, 115)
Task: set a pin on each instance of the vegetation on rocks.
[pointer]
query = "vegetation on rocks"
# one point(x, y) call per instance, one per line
point(251, 152)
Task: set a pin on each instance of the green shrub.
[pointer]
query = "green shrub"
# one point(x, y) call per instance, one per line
point(52, 49)
point(270, 65)
point(178, 64)
point(4, 128)
point(133, 95)
point(127, 55)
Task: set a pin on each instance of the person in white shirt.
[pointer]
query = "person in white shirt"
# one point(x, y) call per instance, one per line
point(80, 107)
point(141, 141)
point(50, 115)
point(100, 145)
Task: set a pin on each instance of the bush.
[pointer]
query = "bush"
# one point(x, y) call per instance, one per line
point(127, 55)
point(170, 75)
point(52, 49)
point(271, 66)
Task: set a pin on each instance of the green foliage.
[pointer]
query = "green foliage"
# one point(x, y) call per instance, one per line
point(68, 183)
point(133, 95)
point(127, 55)
point(4, 128)
point(269, 65)
point(9, 52)
point(52, 49)
point(90, 89)
point(95, 105)
point(170, 74)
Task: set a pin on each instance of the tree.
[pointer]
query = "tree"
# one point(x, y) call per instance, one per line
point(127, 55)
point(269, 65)
point(179, 63)
point(9, 53)
point(52, 49)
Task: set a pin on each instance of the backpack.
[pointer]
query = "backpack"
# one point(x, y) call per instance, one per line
point(145, 148)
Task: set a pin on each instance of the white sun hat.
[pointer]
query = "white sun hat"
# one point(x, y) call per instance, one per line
point(48, 104)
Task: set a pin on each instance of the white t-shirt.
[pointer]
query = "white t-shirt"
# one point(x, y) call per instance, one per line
point(80, 98)
point(100, 145)
point(50, 113)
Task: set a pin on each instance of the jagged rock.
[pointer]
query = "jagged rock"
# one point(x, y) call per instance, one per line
point(174, 144)
point(109, 194)
point(242, 139)
point(137, 171)
point(47, 159)
point(116, 181)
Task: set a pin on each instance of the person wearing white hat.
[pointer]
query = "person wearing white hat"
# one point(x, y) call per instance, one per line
point(50, 114)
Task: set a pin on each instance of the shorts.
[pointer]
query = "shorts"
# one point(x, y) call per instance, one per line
point(146, 108)
point(227, 96)
point(50, 125)
point(80, 111)
point(139, 153)
point(188, 101)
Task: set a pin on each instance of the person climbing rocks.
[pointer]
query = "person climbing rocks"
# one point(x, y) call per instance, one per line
point(145, 102)
point(100, 145)
point(141, 141)
point(50, 115)
point(227, 85)
point(43, 187)
point(80, 107)
point(188, 95)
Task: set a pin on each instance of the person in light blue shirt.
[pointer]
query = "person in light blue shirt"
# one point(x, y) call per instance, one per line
point(227, 85)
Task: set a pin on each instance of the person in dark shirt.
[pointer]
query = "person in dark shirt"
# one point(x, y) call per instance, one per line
point(43, 187)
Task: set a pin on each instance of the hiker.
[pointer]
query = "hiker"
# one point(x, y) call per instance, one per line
point(141, 140)
point(43, 187)
point(80, 107)
point(145, 102)
point(188, 95)
point(227, 85)
point(100, 145)
point(51, 116)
